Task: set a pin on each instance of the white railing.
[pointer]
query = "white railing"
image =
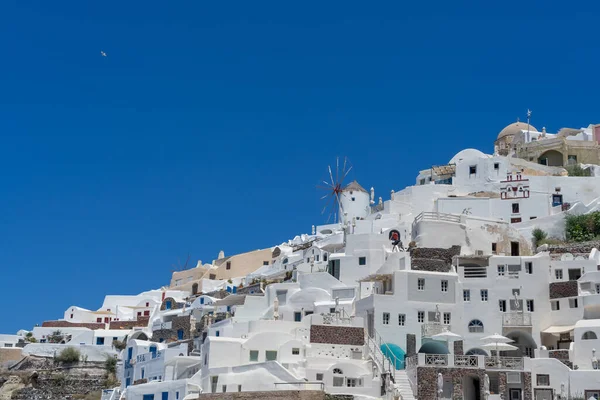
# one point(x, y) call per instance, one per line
point(437, 216)
point(516, 319)
point(515, 363)
point(158, 325)
point(387, 364)
point(428, 330)
point(146, 357)
point(411, 364)
point(338, 318)
point(440, 360)
point(466, 361)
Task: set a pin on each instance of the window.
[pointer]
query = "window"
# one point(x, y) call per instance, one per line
point(254, 355)
point(555, 305)
point(529, 267)
point(338, 380)
point(224, 388)
point(180, 334)
point(239, 388)
point(281, 296)
point(271, 355)
point(514, 248)
point(421, 284)
point(558, 274)
point(589, 335)
point(98, 319)
point(324, 256)
point(295, 351)
point(265, 263)
point(542, 380)
point(386, 318)
point(71, 316)
point(532, 217)
point(573, 303)
point(494, 247)
point(422, 182)
point(444, 286)
point(446, 318)
point(597, 288)
point(319, 377)
point(100, 341)
point(472, 169)
point(228, 265)
point(317, 257)
point(466, 295)
point(515, 208)
point(212, 277)
point(501, 270)
point(217, 333)
point(496, 166)
point(530, 307)
point(297, 316)
point(574, 274)
point(571, 159)
point(476, 326)
point(515, 220)
point(8, 345)
point(484, 295)
point(502, 304)
point(401, 319)
point(139, 314)
point(421, 316)
point(308, 313)
point(362, 260)
point(353, 382)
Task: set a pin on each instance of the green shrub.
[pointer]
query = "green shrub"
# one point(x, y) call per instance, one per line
point(110, 365)
point(69, 355)
point(120, 344)
point(581, 228)
point(55, 337)
point(538, 236)
point(576, 170)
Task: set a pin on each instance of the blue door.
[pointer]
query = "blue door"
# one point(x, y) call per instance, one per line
point(165, 396)
point(148, 397)
point(127, 382)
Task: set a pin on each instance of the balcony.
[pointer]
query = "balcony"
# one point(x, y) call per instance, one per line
point(428, 330)
point(516, 319)
point(463, 361)
point(513, 363)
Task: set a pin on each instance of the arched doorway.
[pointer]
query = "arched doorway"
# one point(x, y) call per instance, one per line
point(524, 341)
point(551, 158)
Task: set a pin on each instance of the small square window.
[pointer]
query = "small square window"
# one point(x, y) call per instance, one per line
point(573, 303)
point(484, 295)
point(446, 318)
point(401, 319)
point(472, 169)
point(496, 166)
point(421, 284)
point(421, 316)
point(558, 273)
point(501, 270)
point(555, 305)
point(271, 355)
point(515, 208)
point(386, 318)
point(295, 351)
point(502, 304)
point(466, 295)
point(362, 260)
point(542, 380)
point(444, 286)
point(494, 247)
point(253, 355)
point(529, 267)
point(319, 377)
point(530, 307)
point(228, 265)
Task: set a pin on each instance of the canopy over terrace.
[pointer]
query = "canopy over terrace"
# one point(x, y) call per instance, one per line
point(383, 283)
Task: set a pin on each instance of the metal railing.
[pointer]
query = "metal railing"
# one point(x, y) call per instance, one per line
point(411, 364)
point(514, 363)
point(516, 319)
point(387, 364)
point(436, 216)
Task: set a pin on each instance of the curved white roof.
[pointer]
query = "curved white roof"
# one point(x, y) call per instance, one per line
point(467, 154)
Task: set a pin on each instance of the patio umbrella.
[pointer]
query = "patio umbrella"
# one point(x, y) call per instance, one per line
point(497, 338)
point(448, 336)
point(498, 346)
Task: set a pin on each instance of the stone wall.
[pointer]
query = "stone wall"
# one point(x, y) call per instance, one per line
point(526, 379)
point(174, 304)
point(411, 344)
point(574, 248)
point(502, 385)
point(346, 335)
point(170, 335)
point(274, 395)
point(58, 387)
point(458, 348)
point(433, 259)
point(427, 381)
point(141, 322)
point(563, 289)
point(250, 289)
point(67, 324)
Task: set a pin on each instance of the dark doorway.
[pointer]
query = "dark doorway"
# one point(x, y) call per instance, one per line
point(515, 394)
point(514, 248)
point(476, 388)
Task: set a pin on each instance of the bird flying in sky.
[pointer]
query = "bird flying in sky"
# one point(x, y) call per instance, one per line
point(102, 53)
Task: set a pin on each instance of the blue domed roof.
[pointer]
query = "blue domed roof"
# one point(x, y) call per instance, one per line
point(434, 347)
point(394, 353)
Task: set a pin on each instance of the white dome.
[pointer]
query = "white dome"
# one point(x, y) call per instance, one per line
point(467, 154)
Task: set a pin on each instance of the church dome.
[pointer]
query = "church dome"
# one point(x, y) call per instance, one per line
point(467, 154)
point(514, 129)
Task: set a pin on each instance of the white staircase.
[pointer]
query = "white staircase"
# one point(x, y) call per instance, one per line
point(403, 385)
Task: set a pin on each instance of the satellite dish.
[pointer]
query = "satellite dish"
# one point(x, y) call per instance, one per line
point(567, 257)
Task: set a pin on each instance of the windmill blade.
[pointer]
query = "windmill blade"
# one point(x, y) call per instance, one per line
point(344, 169)
point(337, 170)
point(331, 176)
point(346, 174)
point(325, 196)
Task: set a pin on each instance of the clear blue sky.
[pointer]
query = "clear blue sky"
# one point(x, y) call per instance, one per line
point(209, 124)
